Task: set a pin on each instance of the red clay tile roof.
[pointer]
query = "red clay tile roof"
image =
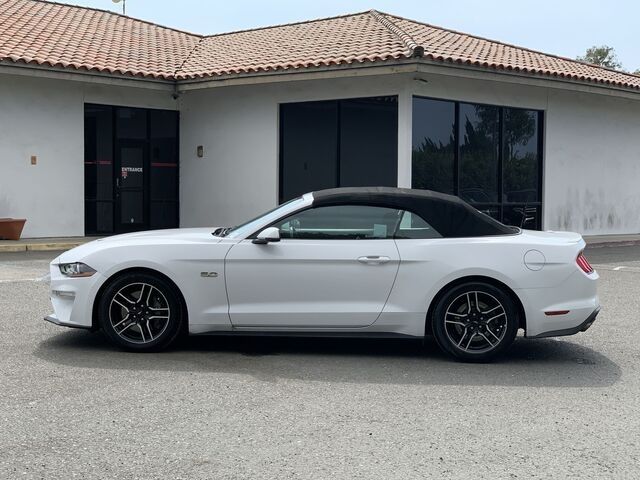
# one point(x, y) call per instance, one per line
point(348, 39)
point(58, 35)
point(454, 47)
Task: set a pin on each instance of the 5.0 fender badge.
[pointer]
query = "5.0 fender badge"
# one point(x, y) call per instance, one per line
point(209, 274)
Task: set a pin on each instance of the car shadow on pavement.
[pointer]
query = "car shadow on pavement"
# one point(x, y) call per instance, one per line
point(542, 363)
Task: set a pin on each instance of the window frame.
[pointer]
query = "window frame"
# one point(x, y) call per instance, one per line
point(393, 236)
point(319, 207)
point(501, 205)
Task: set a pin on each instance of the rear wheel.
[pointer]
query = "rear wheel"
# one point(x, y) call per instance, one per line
point(475, 322)
point(140, 312)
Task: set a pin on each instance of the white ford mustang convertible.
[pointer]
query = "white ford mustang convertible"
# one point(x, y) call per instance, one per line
point(374, 261)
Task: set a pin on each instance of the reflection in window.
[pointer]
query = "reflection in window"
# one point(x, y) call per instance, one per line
point(342, 222)
point(413, 226)
point(524, 216)
point(520, 156)
point(479, 137)
point(489, 156)
point(433, 145)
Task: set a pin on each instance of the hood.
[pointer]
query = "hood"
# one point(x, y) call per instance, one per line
point(185, 234)
point(169, 236)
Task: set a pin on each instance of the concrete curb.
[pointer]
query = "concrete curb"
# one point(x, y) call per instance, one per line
point(619, 243)
point(38, 247)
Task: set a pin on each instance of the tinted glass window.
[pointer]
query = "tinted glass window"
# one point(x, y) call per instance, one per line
point(479, 137)
point(98, 168)
point(131, 123)
point(433, 145)
point(163, 150)
point(343, 222)
point(368, 142)
point(414, 226)
point(524, 216)
point(520, 154)
point(163, 215)
point(98, 153)
point(489, 156)
point(338, 143)
point(138, 148)
point(308, 147)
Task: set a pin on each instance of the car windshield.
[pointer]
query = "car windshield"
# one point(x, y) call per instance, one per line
point(272, 215)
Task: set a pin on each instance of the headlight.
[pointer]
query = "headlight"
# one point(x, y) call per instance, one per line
point(76, 269)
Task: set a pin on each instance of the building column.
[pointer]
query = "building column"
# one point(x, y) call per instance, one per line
point(404, 136)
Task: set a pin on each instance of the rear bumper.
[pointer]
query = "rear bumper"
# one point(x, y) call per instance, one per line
point(576, 297)
point(584, 326)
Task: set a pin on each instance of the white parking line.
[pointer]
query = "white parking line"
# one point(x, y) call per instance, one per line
point(617, 268)
point(44, 279)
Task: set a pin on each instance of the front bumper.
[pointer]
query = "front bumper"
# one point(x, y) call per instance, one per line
point(53, 319)
point(72, 299)
point(583, 327)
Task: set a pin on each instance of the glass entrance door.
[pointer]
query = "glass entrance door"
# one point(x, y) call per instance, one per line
point(131, 169)
point(132, 173)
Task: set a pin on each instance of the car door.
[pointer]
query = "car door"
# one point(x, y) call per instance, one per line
point(333, 267)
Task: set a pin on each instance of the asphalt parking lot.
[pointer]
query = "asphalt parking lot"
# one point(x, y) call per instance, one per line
point(215, 408)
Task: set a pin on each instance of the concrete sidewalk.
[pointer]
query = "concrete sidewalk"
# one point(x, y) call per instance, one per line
point(45, 244)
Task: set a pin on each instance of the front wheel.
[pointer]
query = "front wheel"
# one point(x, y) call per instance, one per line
point(140, 312)
point(475, 322)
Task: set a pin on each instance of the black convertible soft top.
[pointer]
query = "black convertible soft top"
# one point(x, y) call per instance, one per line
point(448, 215)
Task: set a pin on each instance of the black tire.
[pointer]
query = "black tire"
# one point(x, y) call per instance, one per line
point(132, 311)
point(472, 334)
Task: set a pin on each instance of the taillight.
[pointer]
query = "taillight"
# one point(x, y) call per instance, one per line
point(583, 263)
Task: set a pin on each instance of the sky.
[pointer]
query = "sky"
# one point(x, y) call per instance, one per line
point(561, 27)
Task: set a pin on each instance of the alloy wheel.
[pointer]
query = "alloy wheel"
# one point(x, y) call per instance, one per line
point(475, 322)
point(139, 313)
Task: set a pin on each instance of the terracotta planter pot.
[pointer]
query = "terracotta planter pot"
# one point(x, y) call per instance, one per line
point(11, 228)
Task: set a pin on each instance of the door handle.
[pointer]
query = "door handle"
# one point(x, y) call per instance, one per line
point(373, 260)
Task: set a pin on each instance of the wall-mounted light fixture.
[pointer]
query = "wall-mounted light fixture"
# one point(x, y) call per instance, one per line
point(200, 151)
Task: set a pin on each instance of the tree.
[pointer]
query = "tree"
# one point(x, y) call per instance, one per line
point(637, 72)
point(603, 56)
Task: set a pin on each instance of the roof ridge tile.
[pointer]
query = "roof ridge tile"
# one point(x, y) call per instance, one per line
point(413, 47)
point(288, 24)
point(176, 73)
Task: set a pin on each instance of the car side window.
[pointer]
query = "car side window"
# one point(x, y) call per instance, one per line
point(413, 226)
point(341, 222)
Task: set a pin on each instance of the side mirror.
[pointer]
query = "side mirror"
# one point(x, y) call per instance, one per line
point(268, 235)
